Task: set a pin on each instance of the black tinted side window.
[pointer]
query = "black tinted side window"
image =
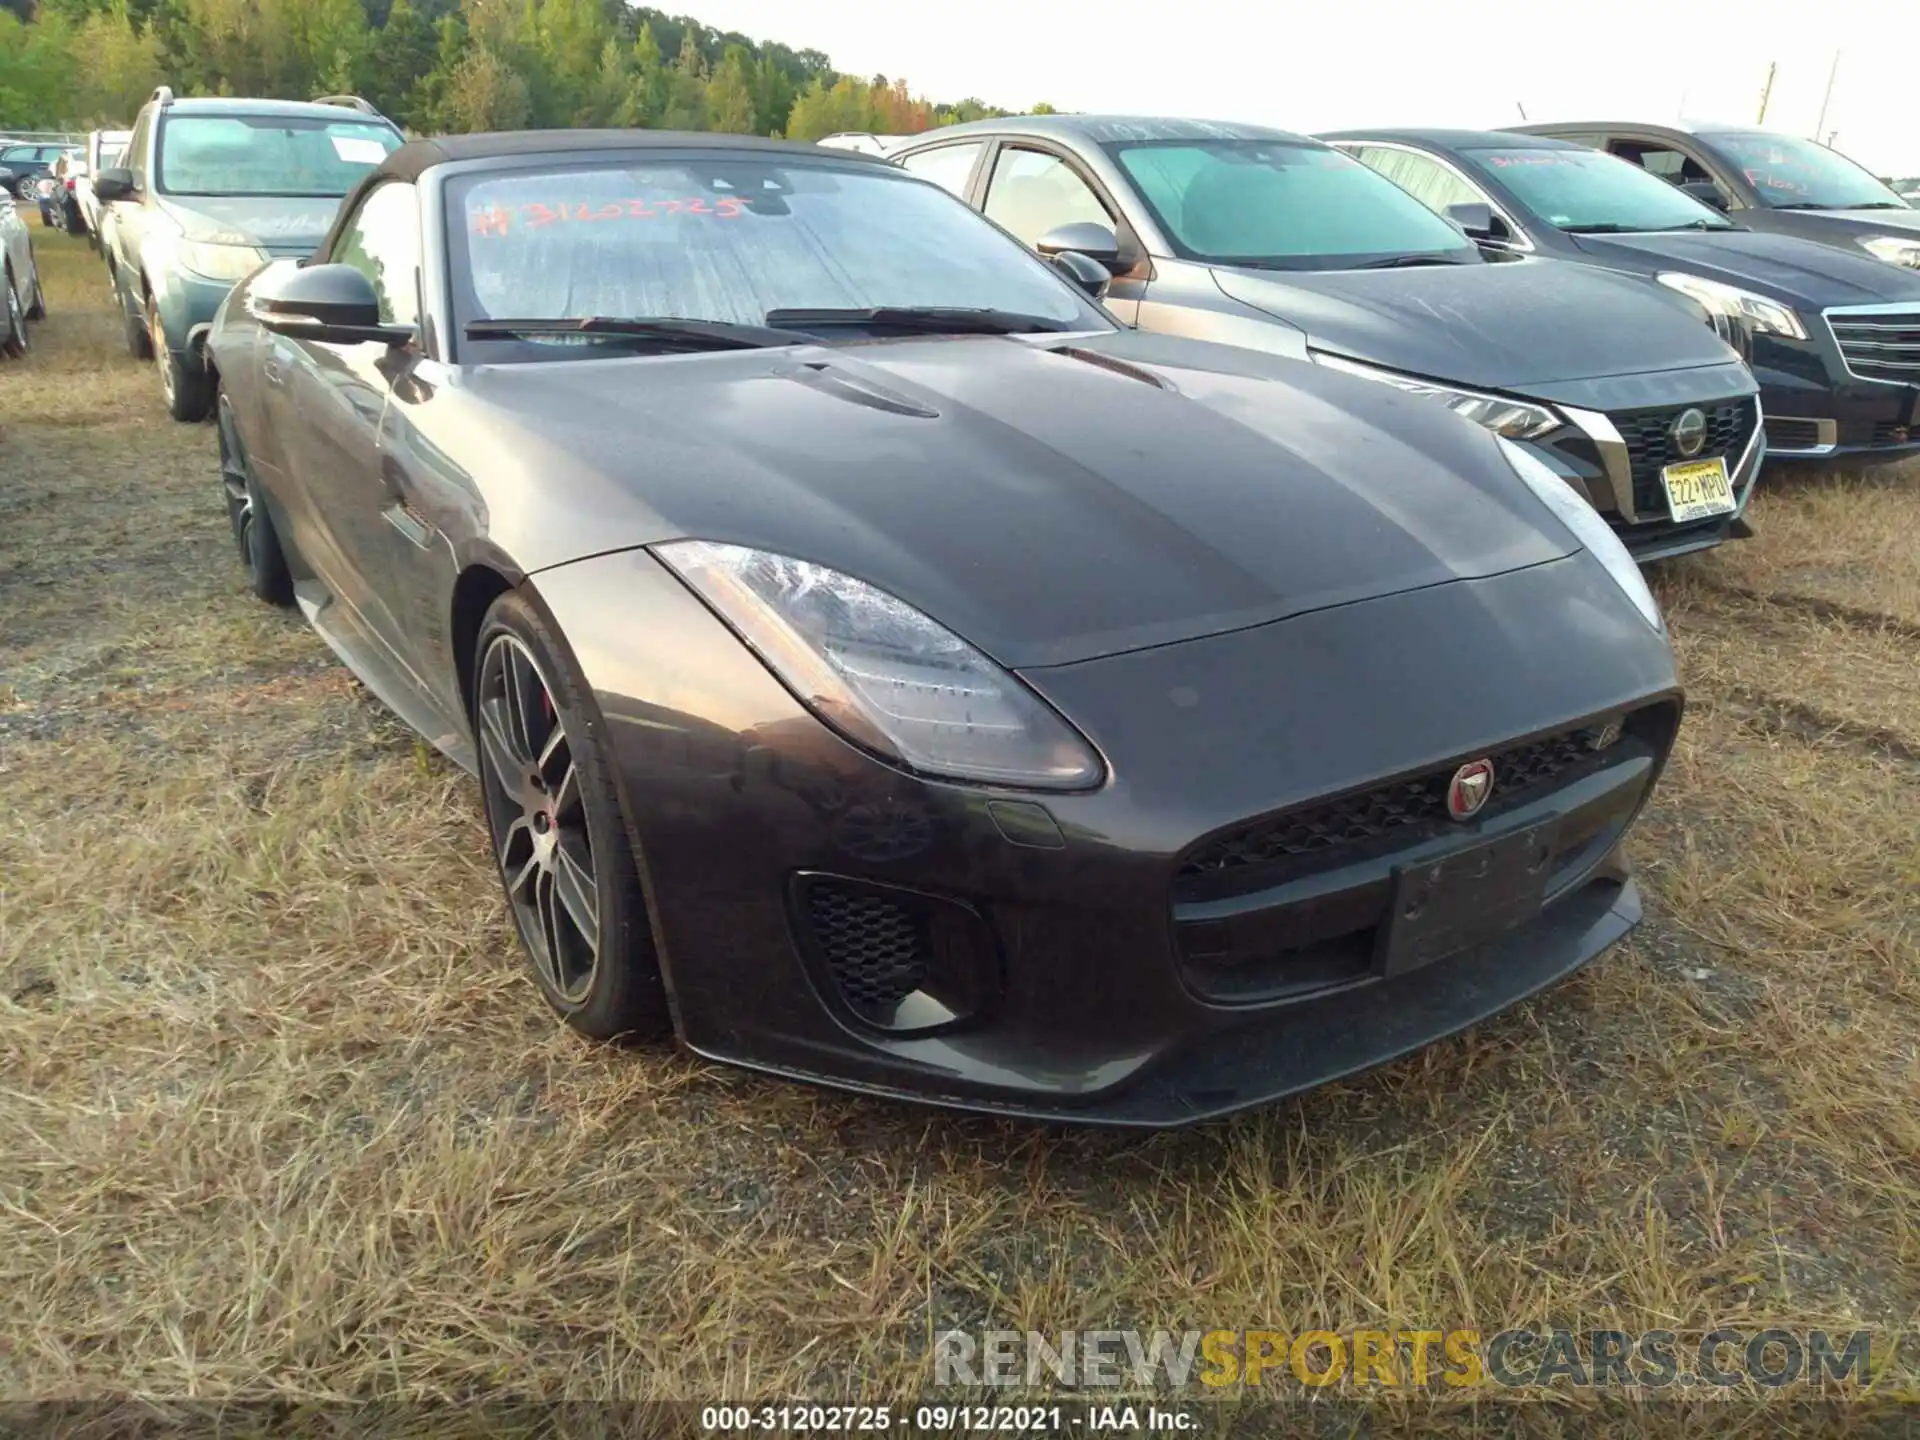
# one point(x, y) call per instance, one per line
point(383, 243)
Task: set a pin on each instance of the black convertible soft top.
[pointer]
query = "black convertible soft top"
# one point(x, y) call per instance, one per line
point(418, 156)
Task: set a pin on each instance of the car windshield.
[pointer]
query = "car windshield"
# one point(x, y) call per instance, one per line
point(269, 154)
point(1790, 173)
point(731, 239)
point(1588, 190)
point(1282, 204)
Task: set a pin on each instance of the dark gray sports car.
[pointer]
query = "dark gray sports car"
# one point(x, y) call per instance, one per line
point(883, 669)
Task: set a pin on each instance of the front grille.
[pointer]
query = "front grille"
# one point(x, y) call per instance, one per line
point(1887, 433)
point(1879, 346)
point(871, 944)
point(1785, 434)
point(1355, 821)
point(1650, 447)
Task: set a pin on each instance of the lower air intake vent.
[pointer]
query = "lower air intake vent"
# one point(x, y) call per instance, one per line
point(870, 944)
point(894, 958)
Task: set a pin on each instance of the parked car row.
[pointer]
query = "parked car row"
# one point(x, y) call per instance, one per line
point(1113, 620)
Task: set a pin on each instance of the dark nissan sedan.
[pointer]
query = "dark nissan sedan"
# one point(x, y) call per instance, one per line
point(882, 669)
point(1276, 242)
point(1833, 335)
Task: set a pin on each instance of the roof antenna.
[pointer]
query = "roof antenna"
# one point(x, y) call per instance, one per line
point(1521, 108)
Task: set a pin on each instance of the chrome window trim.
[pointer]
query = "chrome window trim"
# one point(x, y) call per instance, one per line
point(1521, 241)
point(1900, 307)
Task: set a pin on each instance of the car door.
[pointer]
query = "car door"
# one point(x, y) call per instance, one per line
point(129, 215)
point(1034, 187)
point(324, 402)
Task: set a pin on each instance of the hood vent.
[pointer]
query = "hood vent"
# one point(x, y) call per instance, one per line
point(826, 376)
point(1107, 362)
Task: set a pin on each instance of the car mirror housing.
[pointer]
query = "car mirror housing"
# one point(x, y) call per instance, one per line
point(1084, 271)
point(335, 304)
point(1707, 193)
point(1086, 237)
point(113, 183)
point(1474, 220)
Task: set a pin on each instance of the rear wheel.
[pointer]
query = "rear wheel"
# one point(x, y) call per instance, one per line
point(13, 330)
point(559, 838)
point(253, 531)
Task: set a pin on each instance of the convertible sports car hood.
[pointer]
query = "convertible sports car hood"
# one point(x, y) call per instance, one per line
point(1050, 501)
point(281, 224)
point(1867, 221)
point(1501, 326)
point(1783, 267)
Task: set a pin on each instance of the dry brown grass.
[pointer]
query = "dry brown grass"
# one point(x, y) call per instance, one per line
point(279, 1114)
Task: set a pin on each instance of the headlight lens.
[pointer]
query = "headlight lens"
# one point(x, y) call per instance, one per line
point(1894, 249)
point(1587, 527)
point(883, 674)
point(1515, 419)
point(221, 262)
point(1727, 305)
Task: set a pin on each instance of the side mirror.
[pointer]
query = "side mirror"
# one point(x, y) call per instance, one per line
point(113, 184)
point(1083, 237)
point(1085, 271)
point(334, 304)
point(1475, 220)
point(1707, 193)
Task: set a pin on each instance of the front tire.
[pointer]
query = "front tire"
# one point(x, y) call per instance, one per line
point(559, 837)
point(188, 393)
point(37, 307)
point(253, 532)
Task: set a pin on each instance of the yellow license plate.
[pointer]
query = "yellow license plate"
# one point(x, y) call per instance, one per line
point(1697, 489)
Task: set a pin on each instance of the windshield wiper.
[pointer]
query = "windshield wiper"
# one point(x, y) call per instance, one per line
point(1603, 227)
point(935, 319)
point(1394, 262)
point(671, 330)
point(1806, 205)
point(1877, 205)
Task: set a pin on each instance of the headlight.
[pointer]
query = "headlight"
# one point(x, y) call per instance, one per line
point(1894, 249)
point(1515, 419)
point(1588, 528)
point(220, 262)
point(883, 674)
point(1726, 304)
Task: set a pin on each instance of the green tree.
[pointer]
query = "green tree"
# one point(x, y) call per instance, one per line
point(730, 95)
point(486, 93)
point(403, 54)
point(687, 89)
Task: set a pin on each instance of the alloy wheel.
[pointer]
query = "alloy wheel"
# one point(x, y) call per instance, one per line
point(157, 335)
point(537, 818)
point(239, 494)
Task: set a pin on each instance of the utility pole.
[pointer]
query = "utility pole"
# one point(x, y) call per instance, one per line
point(1821, 124)
point(1766, 92)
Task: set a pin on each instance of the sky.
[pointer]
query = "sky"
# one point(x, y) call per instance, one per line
point(1330, 64)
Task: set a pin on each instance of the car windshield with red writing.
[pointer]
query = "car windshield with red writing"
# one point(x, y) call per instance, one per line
point(1789, 173)
point(1586, 192)
point(1284, 205)
point(731, 241)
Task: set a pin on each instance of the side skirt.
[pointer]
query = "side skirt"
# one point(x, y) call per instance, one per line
point(362, 652)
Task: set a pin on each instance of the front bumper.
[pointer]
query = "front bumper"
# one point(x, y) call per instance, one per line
point(1070, 949)
point(1616, 442)
point(1817, 408)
